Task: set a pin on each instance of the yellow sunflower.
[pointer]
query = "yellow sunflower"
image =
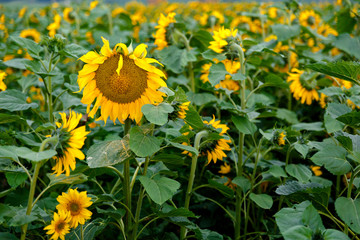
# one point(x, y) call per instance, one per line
point(221, 38)
point(22, 12)
point(230, 66)
point(326, 30)
point(161, 33)
point(93, 4)
point(182, 109)
point(72, 140)
point(316, 170)
point(308, 18)
point(300, 88)
point(122, 82)
point(281, 139)
point(31, 33)
point(225, 169)
point(215, 150)
point(2, 84)
point(75, 203)
point(59, 227)
point(68, 16)
point(89, 37)
point(54, 26)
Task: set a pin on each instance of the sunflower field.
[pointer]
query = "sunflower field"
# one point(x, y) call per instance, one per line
point(198, 120)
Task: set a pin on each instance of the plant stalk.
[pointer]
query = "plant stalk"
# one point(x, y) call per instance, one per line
point(126, 183)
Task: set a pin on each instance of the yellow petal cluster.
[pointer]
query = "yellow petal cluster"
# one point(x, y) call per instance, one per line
point(220, 39)
point(160, 35)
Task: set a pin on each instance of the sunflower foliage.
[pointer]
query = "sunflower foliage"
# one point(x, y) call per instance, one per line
point(180, 120)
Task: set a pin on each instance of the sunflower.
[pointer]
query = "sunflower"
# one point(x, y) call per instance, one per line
point(225, 169)
point(89, 37)
point(59, 227)
point(215, 150)
point(162, 30)
point(316, 170)
point(326, 30)
point(31, 33)
point(54, 26)
point(281, 138)
point(230, 66)
point(222, 37)
point(2, 84)
point(182, 109)
point(72, 141)
point(75, 203)
point(121, 81)
point(309, 18)
point(302, 88)
point(68, 16)
point(22, 12)
point(93, 4)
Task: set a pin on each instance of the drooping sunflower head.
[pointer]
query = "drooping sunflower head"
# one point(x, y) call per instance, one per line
point(71, 140)
point(121, 81)
point(75, 204)
point(308, 18)
point(281, 138)
point(214, 149)
point(2, 78)
point(179, 110)
point(303, 86)
point(31, 33)
point(59, 227)
point(222, 38)
point(162, 32)
point(68, 15)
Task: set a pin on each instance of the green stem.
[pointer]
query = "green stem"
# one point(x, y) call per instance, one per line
point(81, 232)
point(110, 22)
point(126, 183)
point(198, 138)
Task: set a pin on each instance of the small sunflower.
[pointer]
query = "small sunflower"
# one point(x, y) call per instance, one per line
point(316, 170)
point(221, 39)
point(22, 12)
point(31, 33)
point(72, 141)
point(93, 4)
point(182, 109)
point(68, 15)
point(54, 26)
point(230, 66)
point(161, 35)
point(281, 138)
point(2, 84)
point(215, 150)
point(301, 88)
point(75, 203)
point(59, 227)
point(121, 81)
point(309, 18)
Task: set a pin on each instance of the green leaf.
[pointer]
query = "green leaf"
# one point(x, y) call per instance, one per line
point(344, 70)
point(63, 179)
point(74, 50)
point(7, 236)
point(160, 189)
point(275, 81)
point(178, 212)
point(184, 147)
point(285, 32)
point(28, 81)
point(108, 153)
point(28, 154)
point(116, 214)
point(8, 118)
point(45, 127)
point(205, 234)
point(226, 191)
point(176, 59)
point(311, 218)
point(244, 125)
point(333, 158)
point(314, 126)
point(332, 125)
point(18, 63)
point(299, 171)
point(157, 114)
point(20, 218)
point(349, 211)
point(352, 118)
point(348, 44)
point(336, 109)
point(242, 182)
point(262, 200)
point(238, 76)
point(200, 99)
point(141, 144)
point(276, 171)
point(332, 234)
point(14, 100)
point(33, 48)
point(302, 149)
point(217, 73)
point(90, 229)
point(193, 118)
point(332, 91)
point(287, 115)
point(201, 39)
point(264, 46)
point(14, 179)
point(8, 152)
point(210, 54)
point(37, 68)
point(298, 233)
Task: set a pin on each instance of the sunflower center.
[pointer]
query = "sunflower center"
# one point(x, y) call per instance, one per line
point(74, 208)
point(311, 20)
point(126, 87)
point(60, 226)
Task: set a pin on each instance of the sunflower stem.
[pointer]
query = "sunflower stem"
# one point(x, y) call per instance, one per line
point(241, 144)
point(126, 183)
point(33, 185)
point(198, 138)
point(81, 232)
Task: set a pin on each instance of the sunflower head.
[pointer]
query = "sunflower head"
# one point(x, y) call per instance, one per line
point(71, 140)
point(75, 204)
point(223, 39)
point(309, 18)
point(225, 169)
point(68, 15)
point(2, 78)
point(164, 29)
point(121, 81)
point(31, 33)
point(59, 227)
point(179, 110)
point(316, 170)
point(281, 138)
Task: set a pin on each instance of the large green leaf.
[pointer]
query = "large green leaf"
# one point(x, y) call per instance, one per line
point(299, 171)
point(284, 32)
point(349, 211)
point(74, 50)
point(14, 152)
point(108, 153)
point(193, 118)
point(176, 59)
point(160, 189)
point(63, 179)
point(15, 178)
point(217, 73)
point(341, 69)
point(14, 100)
point(243, 124)
point(141, 144)
point(348, 44)
point(262, 200)
point(157, 114)
point(90, 229)
point(298, 232)
point(333, 158)
point(33, 48)
point(332, 234)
